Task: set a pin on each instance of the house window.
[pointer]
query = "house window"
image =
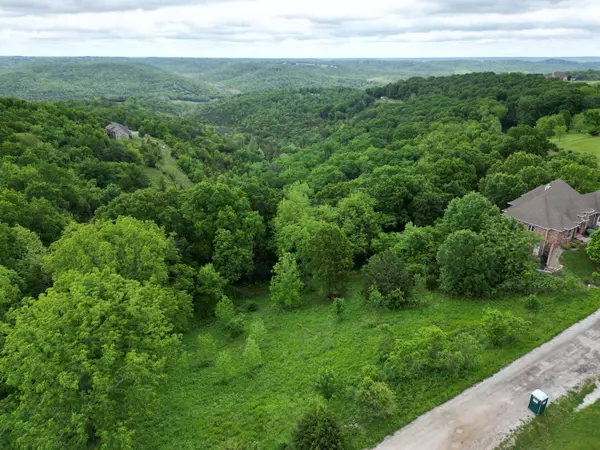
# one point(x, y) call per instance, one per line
point(531, 228)
point(536, 250)
point(570, 235)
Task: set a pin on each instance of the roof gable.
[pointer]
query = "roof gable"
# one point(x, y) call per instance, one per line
point(554, 206)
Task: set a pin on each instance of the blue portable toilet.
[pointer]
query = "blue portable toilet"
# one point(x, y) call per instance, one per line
point(538, 402)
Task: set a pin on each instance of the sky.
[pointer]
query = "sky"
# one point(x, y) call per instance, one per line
point(300, 28)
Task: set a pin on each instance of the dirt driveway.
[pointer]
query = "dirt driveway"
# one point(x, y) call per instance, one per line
point(482, 416)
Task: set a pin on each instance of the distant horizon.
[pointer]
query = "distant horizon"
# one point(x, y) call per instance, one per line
point(367, 58)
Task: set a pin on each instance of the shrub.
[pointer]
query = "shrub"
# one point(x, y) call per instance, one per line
point(532, 304)
point(318, 429)
point(565, 245)
point(386, 342)
point(375, 297)
point(375, 398)
point(596, 278)
point(339, 306)
point(235, 326)
point(225, 309)
point(258, 332)
point(252, 356)
point(502, 328)
point(326, 382)
point(224, 367)
point(206, 349)
point(388, 273)
point(432, 350)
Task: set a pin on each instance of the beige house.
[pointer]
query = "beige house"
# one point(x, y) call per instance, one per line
point(558, 213)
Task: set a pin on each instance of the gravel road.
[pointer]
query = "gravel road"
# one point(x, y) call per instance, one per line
point(482, 416)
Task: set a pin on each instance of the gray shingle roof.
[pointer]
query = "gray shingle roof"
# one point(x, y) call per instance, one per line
point(553, 206)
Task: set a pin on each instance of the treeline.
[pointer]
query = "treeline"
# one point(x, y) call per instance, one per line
point(526, 98)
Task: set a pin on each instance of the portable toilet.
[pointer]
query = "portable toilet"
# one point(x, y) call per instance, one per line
point(538, 402)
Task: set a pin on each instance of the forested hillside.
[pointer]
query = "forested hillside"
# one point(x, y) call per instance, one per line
point(337, 264)
point(202, 79)
point(71, 79)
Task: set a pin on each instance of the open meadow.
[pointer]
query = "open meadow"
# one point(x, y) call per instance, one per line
point(262, 409)
point(579, 142)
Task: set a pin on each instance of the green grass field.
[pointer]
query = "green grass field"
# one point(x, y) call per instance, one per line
point(168, 172)
point(579, 143)
point(198, 412)
point(578, 262)
point(561, 427)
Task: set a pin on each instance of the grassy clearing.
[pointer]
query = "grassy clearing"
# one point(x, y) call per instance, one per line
point(168, 172)
point(560, 427)
point(578, 262)
point(198, 412)
point(579, 143)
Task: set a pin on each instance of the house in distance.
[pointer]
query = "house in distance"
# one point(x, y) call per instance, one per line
point(558, 213)
point(118, 131)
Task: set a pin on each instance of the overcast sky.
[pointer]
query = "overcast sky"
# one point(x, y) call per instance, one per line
point(300, 28)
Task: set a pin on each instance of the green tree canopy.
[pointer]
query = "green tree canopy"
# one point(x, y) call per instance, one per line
point(85, 360)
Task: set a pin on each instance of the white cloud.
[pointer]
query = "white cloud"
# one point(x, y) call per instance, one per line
point(308, 28)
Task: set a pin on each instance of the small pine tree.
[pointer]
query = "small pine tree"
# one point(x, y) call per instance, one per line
point(252, 356)
point(206, 349)
point(225, 309)
point(318, 429)
point(286, 284)
point(375, 398)
point(258, 332)
point(326, 382)
point(225, 368)
point(339, 306)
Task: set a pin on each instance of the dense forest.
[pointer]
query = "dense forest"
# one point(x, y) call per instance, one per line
point(315, 229)
point(191, 80)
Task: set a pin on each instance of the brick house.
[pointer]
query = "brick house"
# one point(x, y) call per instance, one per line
point(558, 213)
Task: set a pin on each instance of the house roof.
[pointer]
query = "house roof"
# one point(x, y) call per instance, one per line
point(117, 128)
point(554, 206)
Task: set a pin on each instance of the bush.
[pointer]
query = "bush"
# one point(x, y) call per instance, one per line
point(252, 356)
point(432, 350)
point(206, 349)
point(326, 382)
point(532, 304)
point(225, 309)
point(224, 367)
point(387, 272)
point(339, 306)
point(566, 245)
point(386, 342)
point(375, 398)
point(318, 430)
point(235, 326)
point(258, 332)
point(596, 278)
point(375, 297)
point(502, 328)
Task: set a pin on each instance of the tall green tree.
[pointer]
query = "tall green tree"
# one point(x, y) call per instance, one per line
point(84, 361)
point(286, 285)
point(134, 249)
